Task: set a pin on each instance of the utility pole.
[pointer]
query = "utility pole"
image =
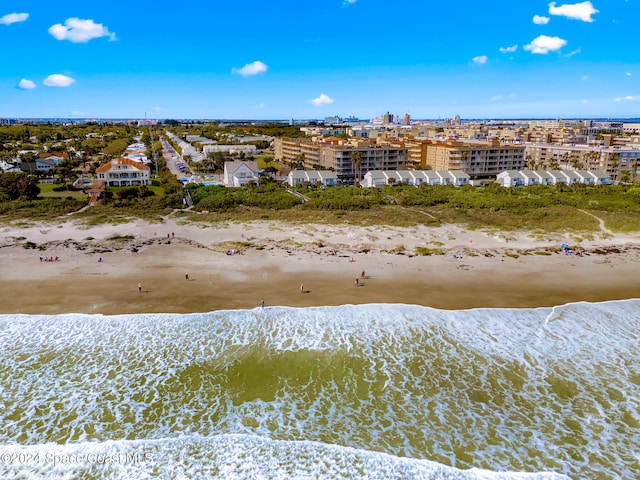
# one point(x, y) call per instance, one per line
point(154, 155)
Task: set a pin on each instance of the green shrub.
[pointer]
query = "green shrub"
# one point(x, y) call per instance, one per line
point(425, 251)
point(120, 238)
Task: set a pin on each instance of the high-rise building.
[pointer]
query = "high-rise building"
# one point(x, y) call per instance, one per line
point(350, 160)
point(480, 159)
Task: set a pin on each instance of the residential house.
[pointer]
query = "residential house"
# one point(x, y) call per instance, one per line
point(39, 165)
point(237, 174)
point(380, 178)
point(124, 172)
point(8, 167)
point(326, 178)
point(513, 178)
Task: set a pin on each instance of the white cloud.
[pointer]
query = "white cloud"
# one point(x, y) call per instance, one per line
point(544, 44)
point(260, 106)
point(480, 60)
point(250, 69)
point(349, 2)
point(58, 80)
point(540, 20)
point(10, 18)
point(628, 98)
point(584, 78)
point(574, 52)
point(80, 31)
point(510, 49)
point(495, 98)
point(323, 99)
point(577, 11)
point(25, 84)
point(628, 74)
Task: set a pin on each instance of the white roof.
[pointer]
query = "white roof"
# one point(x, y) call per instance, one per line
point(528, 174)
point(458, 174)
point(543, 174)
point(376, 174)
point(570, 174)
point(430, 174)
point(231, 167)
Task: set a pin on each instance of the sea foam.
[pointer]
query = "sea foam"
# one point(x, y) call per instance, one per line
point(548, 389)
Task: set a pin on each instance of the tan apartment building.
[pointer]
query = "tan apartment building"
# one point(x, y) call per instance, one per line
point(417, 153)
point(612, 160)
point(350, 160)
point(477, 159)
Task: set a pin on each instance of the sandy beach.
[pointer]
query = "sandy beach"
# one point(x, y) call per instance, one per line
point(271, 261)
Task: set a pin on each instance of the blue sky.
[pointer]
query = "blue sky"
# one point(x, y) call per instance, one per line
point(283, 59)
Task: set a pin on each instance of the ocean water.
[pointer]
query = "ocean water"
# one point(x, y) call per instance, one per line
point(368, 391)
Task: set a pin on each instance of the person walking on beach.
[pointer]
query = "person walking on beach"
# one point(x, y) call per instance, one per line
point(362, 276)
point(262, 304)
point(139, 288)
point(357, 283)
point(186, 276)
point(302, 288)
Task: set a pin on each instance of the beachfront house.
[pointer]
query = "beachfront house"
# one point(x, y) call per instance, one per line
point(237, 174)
point(124, 172)
point(571, 176)
point(374, 178)
point(379, 178)
point(325, 178)
point(519, 178)
point(601, 178)
point(510, 178)
point(430, 177)
point(459, 177)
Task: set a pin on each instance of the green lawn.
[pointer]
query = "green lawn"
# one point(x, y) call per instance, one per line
point(265, 161)
point(46, 191)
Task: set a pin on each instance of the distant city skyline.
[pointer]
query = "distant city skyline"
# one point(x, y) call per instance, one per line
point(289, 59)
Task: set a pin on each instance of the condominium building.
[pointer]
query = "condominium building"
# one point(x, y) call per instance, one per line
point(348, 159)
point(612, 160)
point(481, 159)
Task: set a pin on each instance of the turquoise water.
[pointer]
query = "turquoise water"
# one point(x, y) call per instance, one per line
point(370, 391)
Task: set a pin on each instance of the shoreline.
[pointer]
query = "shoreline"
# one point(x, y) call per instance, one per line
point(271, 260)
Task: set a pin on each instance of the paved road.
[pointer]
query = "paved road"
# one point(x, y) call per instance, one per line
point(172, 157)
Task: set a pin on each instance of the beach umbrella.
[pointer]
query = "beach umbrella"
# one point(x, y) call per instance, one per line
point(564, 244)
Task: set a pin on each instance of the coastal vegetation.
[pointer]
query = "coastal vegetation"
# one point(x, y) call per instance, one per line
point(576, 208)
point(535, 208)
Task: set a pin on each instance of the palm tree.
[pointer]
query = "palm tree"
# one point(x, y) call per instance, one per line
point(531, 162)
point(356, 158)
point(614, 166)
